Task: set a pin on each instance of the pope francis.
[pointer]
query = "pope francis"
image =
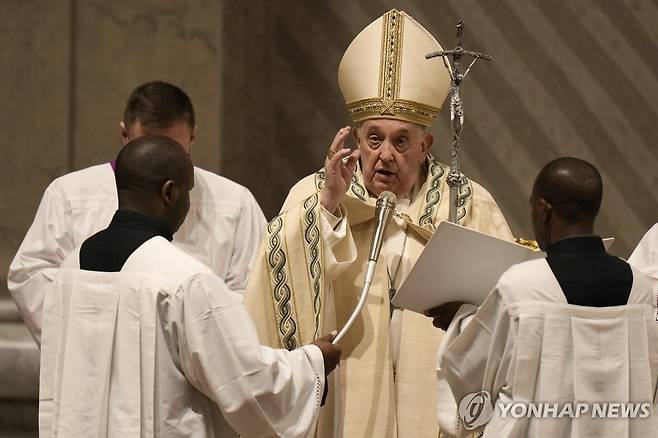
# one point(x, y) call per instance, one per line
point(312, 259)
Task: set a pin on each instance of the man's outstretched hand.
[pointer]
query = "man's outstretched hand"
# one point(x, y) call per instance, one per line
point(338, 173)
point(442, 315)
point(330, 352)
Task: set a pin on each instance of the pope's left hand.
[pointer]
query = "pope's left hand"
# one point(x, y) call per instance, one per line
point(442, 315)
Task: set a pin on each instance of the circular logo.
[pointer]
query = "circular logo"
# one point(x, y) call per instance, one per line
point(475, 409)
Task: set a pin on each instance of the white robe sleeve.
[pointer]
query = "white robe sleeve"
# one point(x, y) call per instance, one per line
point(46, 245)
point(645, 256)
point(262, 392)
point(339, 244)
point(248, 234)
point(446, 406)
point(478, 359)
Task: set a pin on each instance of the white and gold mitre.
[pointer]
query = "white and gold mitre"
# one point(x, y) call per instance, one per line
point(384, 73)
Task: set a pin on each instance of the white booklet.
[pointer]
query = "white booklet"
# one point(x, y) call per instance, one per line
point(460, 264)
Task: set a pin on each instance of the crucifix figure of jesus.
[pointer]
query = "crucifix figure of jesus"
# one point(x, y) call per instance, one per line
point(455, 177)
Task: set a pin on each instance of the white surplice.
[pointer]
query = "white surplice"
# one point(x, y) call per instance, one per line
point(645, 255)
point(527, 344)
point(164, 349)
point(223, 230)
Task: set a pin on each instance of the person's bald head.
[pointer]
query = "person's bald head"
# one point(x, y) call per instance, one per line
point(154, 176)
point(565, 200)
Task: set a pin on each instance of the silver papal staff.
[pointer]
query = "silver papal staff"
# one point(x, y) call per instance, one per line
point(455, 177)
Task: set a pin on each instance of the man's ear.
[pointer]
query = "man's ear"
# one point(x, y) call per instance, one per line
point(124, 133)
point(193, 136)
point(169, 192)
point(425, 145)
point(545, 211)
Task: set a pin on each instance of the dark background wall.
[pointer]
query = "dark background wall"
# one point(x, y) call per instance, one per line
point(571, 77)
point(568, 78)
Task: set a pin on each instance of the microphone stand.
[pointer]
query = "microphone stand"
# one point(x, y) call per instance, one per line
point(383, 213)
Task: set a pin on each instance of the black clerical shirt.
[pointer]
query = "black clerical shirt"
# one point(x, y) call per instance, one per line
point(587, 274)
point(108, 250)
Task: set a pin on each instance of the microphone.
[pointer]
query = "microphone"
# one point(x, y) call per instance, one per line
point(383, 212)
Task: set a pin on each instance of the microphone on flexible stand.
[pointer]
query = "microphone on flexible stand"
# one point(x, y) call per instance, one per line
point(383, 212)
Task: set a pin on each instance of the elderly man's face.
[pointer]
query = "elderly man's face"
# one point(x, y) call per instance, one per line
point(392, 153)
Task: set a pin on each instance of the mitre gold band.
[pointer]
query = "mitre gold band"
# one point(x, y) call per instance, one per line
point(398, 109)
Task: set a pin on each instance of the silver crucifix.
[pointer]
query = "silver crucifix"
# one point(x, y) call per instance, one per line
point(455, 177)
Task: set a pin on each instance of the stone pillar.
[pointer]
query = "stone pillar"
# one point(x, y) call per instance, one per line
point(19, 375)
point(34, 145)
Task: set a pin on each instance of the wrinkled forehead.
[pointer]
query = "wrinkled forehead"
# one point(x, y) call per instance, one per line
point(389, 126)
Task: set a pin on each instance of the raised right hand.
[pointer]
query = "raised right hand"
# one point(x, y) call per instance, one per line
point(338, 174)
point(330, 352)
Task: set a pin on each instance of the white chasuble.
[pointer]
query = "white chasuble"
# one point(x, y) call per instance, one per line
point(164, 349)
point(307, 282)
point(526, 344)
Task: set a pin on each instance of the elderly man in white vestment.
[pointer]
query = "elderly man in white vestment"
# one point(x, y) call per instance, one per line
point(645, 255)
point(141, 339)
point(573, 330)
point(312, 260)
point(223, 229)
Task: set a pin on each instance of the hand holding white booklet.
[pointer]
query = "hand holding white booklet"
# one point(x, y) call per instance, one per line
point(459, 264)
